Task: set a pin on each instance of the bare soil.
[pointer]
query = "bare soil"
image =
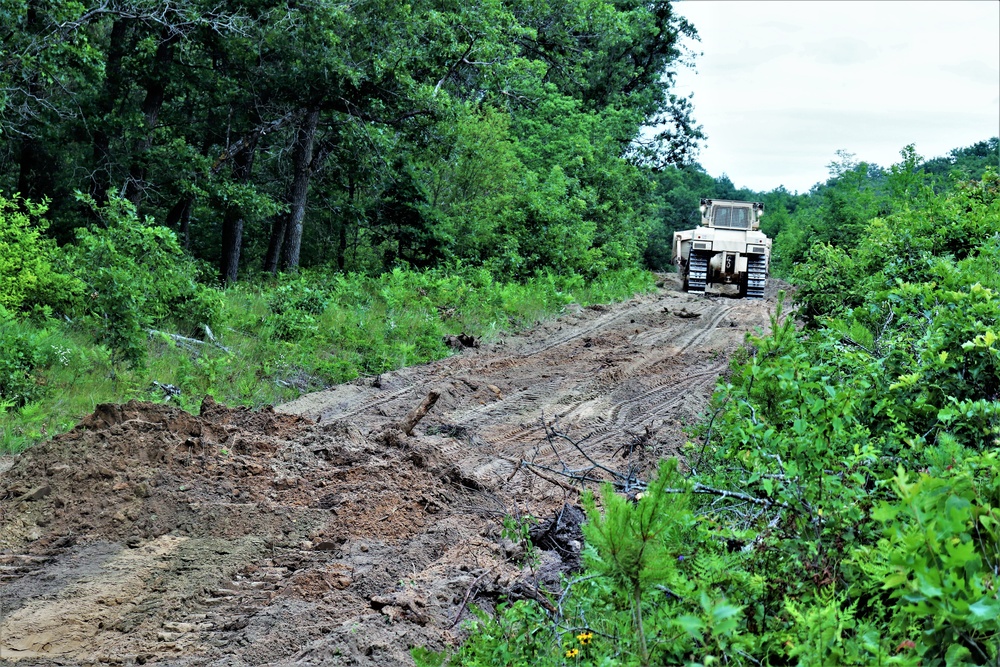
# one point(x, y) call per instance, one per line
point(318, 533)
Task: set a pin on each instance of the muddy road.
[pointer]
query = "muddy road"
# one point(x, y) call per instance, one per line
point(319, 533)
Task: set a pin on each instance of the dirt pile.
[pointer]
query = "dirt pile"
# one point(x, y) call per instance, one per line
point(150, 535)
point(320, 533)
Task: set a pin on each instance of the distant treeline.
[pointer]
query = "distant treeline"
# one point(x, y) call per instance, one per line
point(832, 212)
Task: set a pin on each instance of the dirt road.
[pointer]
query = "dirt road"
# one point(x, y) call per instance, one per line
point(319, 533)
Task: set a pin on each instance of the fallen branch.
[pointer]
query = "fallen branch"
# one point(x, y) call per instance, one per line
point(411, 420)
point(531, 468)
point(465, 600)
point(187, 342)
point(550, 432)
point(723, 493)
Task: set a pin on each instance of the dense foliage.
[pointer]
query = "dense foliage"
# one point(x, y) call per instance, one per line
point(842, 505)
point(364, 135)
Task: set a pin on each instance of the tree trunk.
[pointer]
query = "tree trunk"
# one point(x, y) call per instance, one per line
point(180, 216)
point(637, 611)
point(342, 245)
point(100, 180)
point(232, 222)
point(156, 88)
point(34, 177)
point(232, 241)
point(275, 243)
point(303, 154)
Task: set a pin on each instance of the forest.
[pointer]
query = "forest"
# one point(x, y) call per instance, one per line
point(283, 177)
point(260, 200)
point(360, 137)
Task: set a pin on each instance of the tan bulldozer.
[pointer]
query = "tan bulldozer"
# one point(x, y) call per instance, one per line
point(727, 249)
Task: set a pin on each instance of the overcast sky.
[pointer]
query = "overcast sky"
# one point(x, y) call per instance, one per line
point(779, 87)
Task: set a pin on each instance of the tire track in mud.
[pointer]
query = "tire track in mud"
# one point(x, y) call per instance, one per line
point(693, 382)
point(509, 362)
point(598, 375)
point(674, 393)
point(536, 429)
point(376, 402)
point(619, 423)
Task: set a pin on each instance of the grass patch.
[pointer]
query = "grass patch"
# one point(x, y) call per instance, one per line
point(280, 340)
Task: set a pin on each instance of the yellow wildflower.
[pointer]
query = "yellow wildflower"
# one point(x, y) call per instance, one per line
point(585, 637)
point(572, 653)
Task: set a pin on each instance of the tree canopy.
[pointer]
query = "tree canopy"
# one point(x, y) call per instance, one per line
point(364, 135)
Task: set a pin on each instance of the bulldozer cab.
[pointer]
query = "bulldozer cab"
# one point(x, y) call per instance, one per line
point(726, 214)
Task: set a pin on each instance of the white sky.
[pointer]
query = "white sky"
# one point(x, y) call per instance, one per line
point(781, 86)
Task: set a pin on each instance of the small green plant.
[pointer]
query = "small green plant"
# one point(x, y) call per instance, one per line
point(633, 543)
point(517, 529)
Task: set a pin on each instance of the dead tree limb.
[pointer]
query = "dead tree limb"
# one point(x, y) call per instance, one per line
point(468, 593)
point(416, 414)
point(723, 493)
point(187, 342)
point(530, 467)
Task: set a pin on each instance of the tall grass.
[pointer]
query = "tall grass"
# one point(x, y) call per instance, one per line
point(299, 334)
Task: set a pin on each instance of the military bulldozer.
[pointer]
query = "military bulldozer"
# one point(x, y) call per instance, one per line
point(728, 248)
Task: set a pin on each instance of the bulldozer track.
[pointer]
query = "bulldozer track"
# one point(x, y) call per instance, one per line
point(446, 367)
point(612, 422)
point(622, 416)
point(620, 419)
point(756, 276)
point(697, 271)
point(503, 363)
point(518, 402)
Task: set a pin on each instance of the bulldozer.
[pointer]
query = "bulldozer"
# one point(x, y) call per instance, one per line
point(727, 249)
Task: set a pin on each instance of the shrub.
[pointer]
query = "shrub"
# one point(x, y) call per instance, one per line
point(136, 276)
point(27, 276)
point(26, 352)
point(940, 556)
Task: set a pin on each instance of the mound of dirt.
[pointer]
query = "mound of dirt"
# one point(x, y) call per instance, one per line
point(147, 534)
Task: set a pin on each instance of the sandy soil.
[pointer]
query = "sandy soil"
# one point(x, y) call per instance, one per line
point(318, 533)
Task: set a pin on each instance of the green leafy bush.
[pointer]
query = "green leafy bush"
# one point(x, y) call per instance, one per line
point(27, 276)
point(940, 558)
point(27, 351)
point(136, 276)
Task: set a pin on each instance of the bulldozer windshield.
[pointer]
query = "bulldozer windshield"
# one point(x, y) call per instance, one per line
point(731, 217)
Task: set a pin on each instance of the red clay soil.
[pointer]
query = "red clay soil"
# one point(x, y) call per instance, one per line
point(318, 533)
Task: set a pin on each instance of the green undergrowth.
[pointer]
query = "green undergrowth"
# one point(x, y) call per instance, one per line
point(841, 504)
point(267, 343)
